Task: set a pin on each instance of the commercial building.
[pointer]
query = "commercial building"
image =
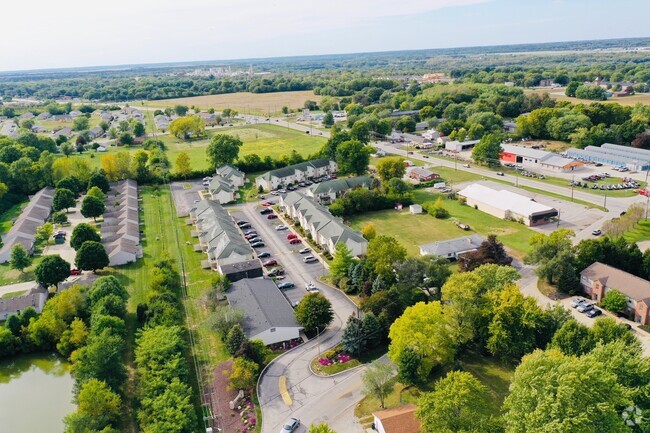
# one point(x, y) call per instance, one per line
point(422, 174)
point(452, 248)
point(323, 227)
point(459, 146)
point(613, 154)
point(328, 191)
point(268, 314)
point(507, 205)
point(34, 298)
point(23, 230)
point(222, 241)
point(296, 173)
point(536, 158)
point(121, 227)
point(599, 278)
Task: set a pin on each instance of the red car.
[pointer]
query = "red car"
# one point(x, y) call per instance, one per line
point(295, 241)
point(291, 236)
point(271, 216)
point(75, 272)
point(270, 263)
point(265, 204)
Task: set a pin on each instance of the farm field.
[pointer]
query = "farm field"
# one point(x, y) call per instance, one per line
point(264, 140)
point(244, 102)
point(558, 95)
point(414, 230)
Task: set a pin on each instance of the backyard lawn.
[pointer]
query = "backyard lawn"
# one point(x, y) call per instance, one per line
point(263, 140)
point(639, 233)
point(414, 230)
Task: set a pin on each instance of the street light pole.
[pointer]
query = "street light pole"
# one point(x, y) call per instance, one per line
point(572, 182)
point(605, 203)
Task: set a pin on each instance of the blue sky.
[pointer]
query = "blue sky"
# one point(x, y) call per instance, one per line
point(69, 33)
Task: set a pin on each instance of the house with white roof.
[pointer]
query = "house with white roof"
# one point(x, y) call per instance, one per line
point(507, 205)
point(452, 248)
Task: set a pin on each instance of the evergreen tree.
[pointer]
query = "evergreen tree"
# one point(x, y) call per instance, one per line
point(353, 339)
point(235, 338)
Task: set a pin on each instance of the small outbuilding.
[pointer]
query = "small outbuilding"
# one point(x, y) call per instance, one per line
point(415, 209)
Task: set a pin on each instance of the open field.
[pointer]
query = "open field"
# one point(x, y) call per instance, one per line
point(558, 95)
point(264, 140)
point(244, 102)
point(414, 230)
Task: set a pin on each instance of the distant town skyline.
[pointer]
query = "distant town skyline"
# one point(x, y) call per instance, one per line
point(73, 33)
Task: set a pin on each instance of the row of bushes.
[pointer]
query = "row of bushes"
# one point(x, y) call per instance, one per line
point(160, 365)
point(363, 200)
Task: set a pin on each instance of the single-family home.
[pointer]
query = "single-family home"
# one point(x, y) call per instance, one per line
point(208, 118)
point(400, 419)
point(296, 173)
point(95, 132)
point(324, 228)
point(507, 205)
point(599, 278)
point(452, 248)
point(43, 116)
point(268, 316)
point(422, 174)
point(63, 132)
point(26, 116)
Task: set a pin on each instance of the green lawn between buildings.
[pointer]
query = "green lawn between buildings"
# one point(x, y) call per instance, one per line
point(414, 230)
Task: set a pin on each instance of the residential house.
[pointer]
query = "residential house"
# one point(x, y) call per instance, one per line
point(26, 116)
point(296, 173)
point(400, 419)
point(43, 116)
point(547, 82)
point(9, 129)
point(23, 230)
point(35, 298)
point(62, 118)
point(121, 227)
point(222, 241)
point(63, 132)
point(452, 248)
point(599, 278)
point(95, 132)
point(222, 191)
point(162, 122)
point(328, 191)
point(233, 175)
point(75, 113)
point(325, 229)
point(268, 315)
point(422, 174)
point(507, 205)
point(208, 118)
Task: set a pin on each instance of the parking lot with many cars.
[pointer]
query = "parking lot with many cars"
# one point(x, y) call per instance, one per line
point(291, 263)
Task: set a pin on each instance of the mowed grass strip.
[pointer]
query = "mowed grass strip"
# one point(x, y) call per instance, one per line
point(415, 230)
point(263, 140)
point(244, 102)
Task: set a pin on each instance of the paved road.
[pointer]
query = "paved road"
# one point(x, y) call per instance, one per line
point(314, 399)
point(615, 205)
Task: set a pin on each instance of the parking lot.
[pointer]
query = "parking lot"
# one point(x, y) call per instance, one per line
point(286, 254)
point(184, 197)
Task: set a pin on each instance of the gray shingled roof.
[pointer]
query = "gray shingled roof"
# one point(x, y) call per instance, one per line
point(291, 169)
point(338, 185)
point(263, 303)
point(453, 246)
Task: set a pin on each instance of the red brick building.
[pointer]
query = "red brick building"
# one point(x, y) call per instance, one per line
point(423, 175)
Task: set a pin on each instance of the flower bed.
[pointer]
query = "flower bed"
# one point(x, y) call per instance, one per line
point(333, 361)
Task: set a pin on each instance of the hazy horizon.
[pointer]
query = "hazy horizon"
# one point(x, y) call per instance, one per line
point(71, 34)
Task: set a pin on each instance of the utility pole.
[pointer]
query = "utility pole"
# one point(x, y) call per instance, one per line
point(605, 203)
point(572, 182)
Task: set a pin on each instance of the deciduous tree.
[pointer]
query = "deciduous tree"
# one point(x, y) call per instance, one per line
point(91, 256)
point(91, 207)
point(378, 380)
point(183, 166)
point(314, 312)
point(20, 258)
point(353, 157)
point(63, 199)
point(223, 149)
point(391, 167)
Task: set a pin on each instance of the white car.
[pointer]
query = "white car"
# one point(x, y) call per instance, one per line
point(577, 302)
point(585, 306)
point(281, 227)
point(305, 250)
point(309, 259)
point(311, 287)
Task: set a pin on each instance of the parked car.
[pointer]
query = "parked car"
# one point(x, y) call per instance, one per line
point(295, 241)
point(291, 236)
point(290, 425)
point(309, 259)
point(271, 262)
point(264, 254)
point(270, 202)
point(500, 173)
point(245, 226)
point(257, 244)
point(271, 216)
point(594, 312)
point(250, 232)
point(251, 236)
point(286, 285)
point(585, 306)
point(311, 287)
point(281, 227)
point(266, 204)
point(266, 211)
point(254, 239)
point(305, 250)
point(275, 272)
point(75, 271)
point(241, 222)
point(577, 302)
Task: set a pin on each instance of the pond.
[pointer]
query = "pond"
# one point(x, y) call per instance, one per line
point(35, 393)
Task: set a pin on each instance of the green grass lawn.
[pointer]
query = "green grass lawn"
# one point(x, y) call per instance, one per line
point(263, 140)
point(7, 218)
point(414, 230)
point(493, 374)
point(8, 275)
point(639, 233)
